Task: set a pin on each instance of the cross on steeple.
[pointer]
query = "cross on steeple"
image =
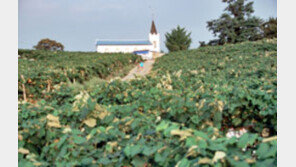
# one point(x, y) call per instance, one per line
point(152, 12)
point(153, 28)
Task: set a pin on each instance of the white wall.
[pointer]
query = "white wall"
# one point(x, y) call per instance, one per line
point(122, 48)
point(155, 40)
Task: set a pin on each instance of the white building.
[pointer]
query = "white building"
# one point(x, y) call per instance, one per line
point(145, 48)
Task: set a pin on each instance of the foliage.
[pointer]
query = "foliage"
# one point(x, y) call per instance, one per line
point(177, 116)
point(202, 43)
point(240, 78)
point(178, 39)
point(48, 44)
point(44, 69)
point(236, 24)
point(270, 28)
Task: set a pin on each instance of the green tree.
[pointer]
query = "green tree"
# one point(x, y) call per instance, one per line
point(236, 24)
point(48, 44)
point(178, 39)
point(270, 28)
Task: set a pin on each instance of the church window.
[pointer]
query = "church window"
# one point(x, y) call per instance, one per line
point(154, 43)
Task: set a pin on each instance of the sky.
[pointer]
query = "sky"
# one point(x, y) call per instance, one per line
point(77, 24)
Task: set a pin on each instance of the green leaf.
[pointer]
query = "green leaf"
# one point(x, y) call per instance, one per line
point(62, 140)
point(158, 158)
point(131, 151)
point(86, 161)
point(201, 134)
point(79, 140)
point(109, 148)
point(184, 163)
point(267, 162)
point(63, 151)
point(232, 140)
point(149, 150)
point(216, 146)
point(237, 121)
point(167, 131)
point(243, 141)
point(104, 161)
point(190, 141)
point(202, 144)
point(241, 164)
point(247, 139)
point(262, 150)
point(162, 126)
point(138, 162)
point(195, 119)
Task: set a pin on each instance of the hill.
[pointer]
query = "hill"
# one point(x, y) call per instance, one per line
point(177, 116)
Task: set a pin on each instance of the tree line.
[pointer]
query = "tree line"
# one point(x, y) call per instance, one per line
point(236, 24)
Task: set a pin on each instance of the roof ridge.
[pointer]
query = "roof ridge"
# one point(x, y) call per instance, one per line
point(122, 40)
point(146, 42)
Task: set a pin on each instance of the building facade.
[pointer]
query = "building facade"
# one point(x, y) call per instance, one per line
point(144, 48)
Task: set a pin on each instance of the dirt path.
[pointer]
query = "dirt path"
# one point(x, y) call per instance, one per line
point(148, 64)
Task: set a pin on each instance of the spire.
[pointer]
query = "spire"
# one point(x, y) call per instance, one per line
point(153, 28)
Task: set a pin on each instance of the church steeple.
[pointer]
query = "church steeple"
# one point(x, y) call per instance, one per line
point(153, 28)
point(154, 38)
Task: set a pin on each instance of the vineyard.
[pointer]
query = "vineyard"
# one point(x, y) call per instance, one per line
point(179, 115)
point(41, 70)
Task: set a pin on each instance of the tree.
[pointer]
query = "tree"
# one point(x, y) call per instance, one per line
point(270, 28)
point(202, 44)
point(236, 24)
point(178, 39)
point(48, 44)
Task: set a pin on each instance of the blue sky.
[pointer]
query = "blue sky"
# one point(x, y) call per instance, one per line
point(78, 23)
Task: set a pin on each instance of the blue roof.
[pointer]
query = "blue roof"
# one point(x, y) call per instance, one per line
point(141, 52)
point(124, 42)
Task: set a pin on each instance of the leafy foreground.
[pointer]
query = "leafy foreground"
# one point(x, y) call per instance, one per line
point(177, 116)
